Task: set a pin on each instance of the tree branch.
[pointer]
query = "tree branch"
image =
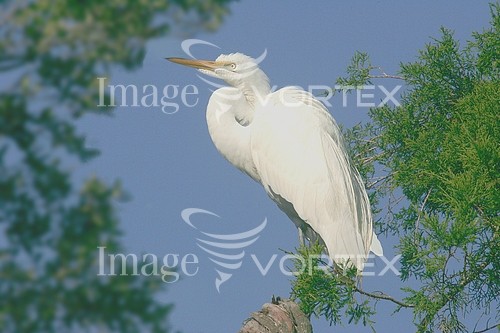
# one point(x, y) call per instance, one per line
point(417, 223)
point(464, 281)
point(280, 316)
point(384, 75)
point(381, 295)
point(378, 180)
point(377, 295)
point(488, 328)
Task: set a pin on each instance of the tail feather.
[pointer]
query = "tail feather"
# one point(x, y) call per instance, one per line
point(376, 247)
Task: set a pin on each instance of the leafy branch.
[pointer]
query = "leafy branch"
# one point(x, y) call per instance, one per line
point(360, 72)
point(430, 164)
point(383, 296)
point(329, 291)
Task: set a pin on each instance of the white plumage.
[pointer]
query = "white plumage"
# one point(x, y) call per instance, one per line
point(287, 141)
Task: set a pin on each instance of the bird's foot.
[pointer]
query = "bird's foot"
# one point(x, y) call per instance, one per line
point(275, 300)
point(302, 241)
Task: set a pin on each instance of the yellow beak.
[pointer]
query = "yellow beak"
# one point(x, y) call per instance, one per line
point(200, 64)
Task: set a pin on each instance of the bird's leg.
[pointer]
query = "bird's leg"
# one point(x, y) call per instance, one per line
point(302, 241)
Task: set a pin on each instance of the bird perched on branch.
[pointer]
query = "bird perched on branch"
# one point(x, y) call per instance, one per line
point(287, 141)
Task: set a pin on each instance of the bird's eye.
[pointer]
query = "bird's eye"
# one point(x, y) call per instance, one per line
point(232, 66)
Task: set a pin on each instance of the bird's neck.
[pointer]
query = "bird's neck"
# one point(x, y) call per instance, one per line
point(255, 88)
point(228, 119)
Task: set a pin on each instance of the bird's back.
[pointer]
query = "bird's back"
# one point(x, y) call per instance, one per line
point(299, 154)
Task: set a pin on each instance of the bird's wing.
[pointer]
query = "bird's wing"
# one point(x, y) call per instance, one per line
point(299, 154)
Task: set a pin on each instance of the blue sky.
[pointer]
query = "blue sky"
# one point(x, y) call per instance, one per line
point(167, 162)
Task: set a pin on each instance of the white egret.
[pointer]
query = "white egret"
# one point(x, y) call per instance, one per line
point(287, 141)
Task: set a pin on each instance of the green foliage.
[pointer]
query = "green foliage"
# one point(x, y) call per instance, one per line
point(441, 150)
point(358, 71)
point(51, 53)
point(326, 293)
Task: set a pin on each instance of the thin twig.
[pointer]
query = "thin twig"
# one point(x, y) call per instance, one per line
point(378, 180)
point(488, 328)
point(381, 295)
point(377, 295)
point(364, 152)
point(384, 75)
point(464, 281)
point(417, 223)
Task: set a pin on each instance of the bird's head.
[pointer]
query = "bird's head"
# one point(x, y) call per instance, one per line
point(236, 69)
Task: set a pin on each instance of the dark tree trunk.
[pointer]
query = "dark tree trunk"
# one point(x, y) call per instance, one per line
point(281, 316)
